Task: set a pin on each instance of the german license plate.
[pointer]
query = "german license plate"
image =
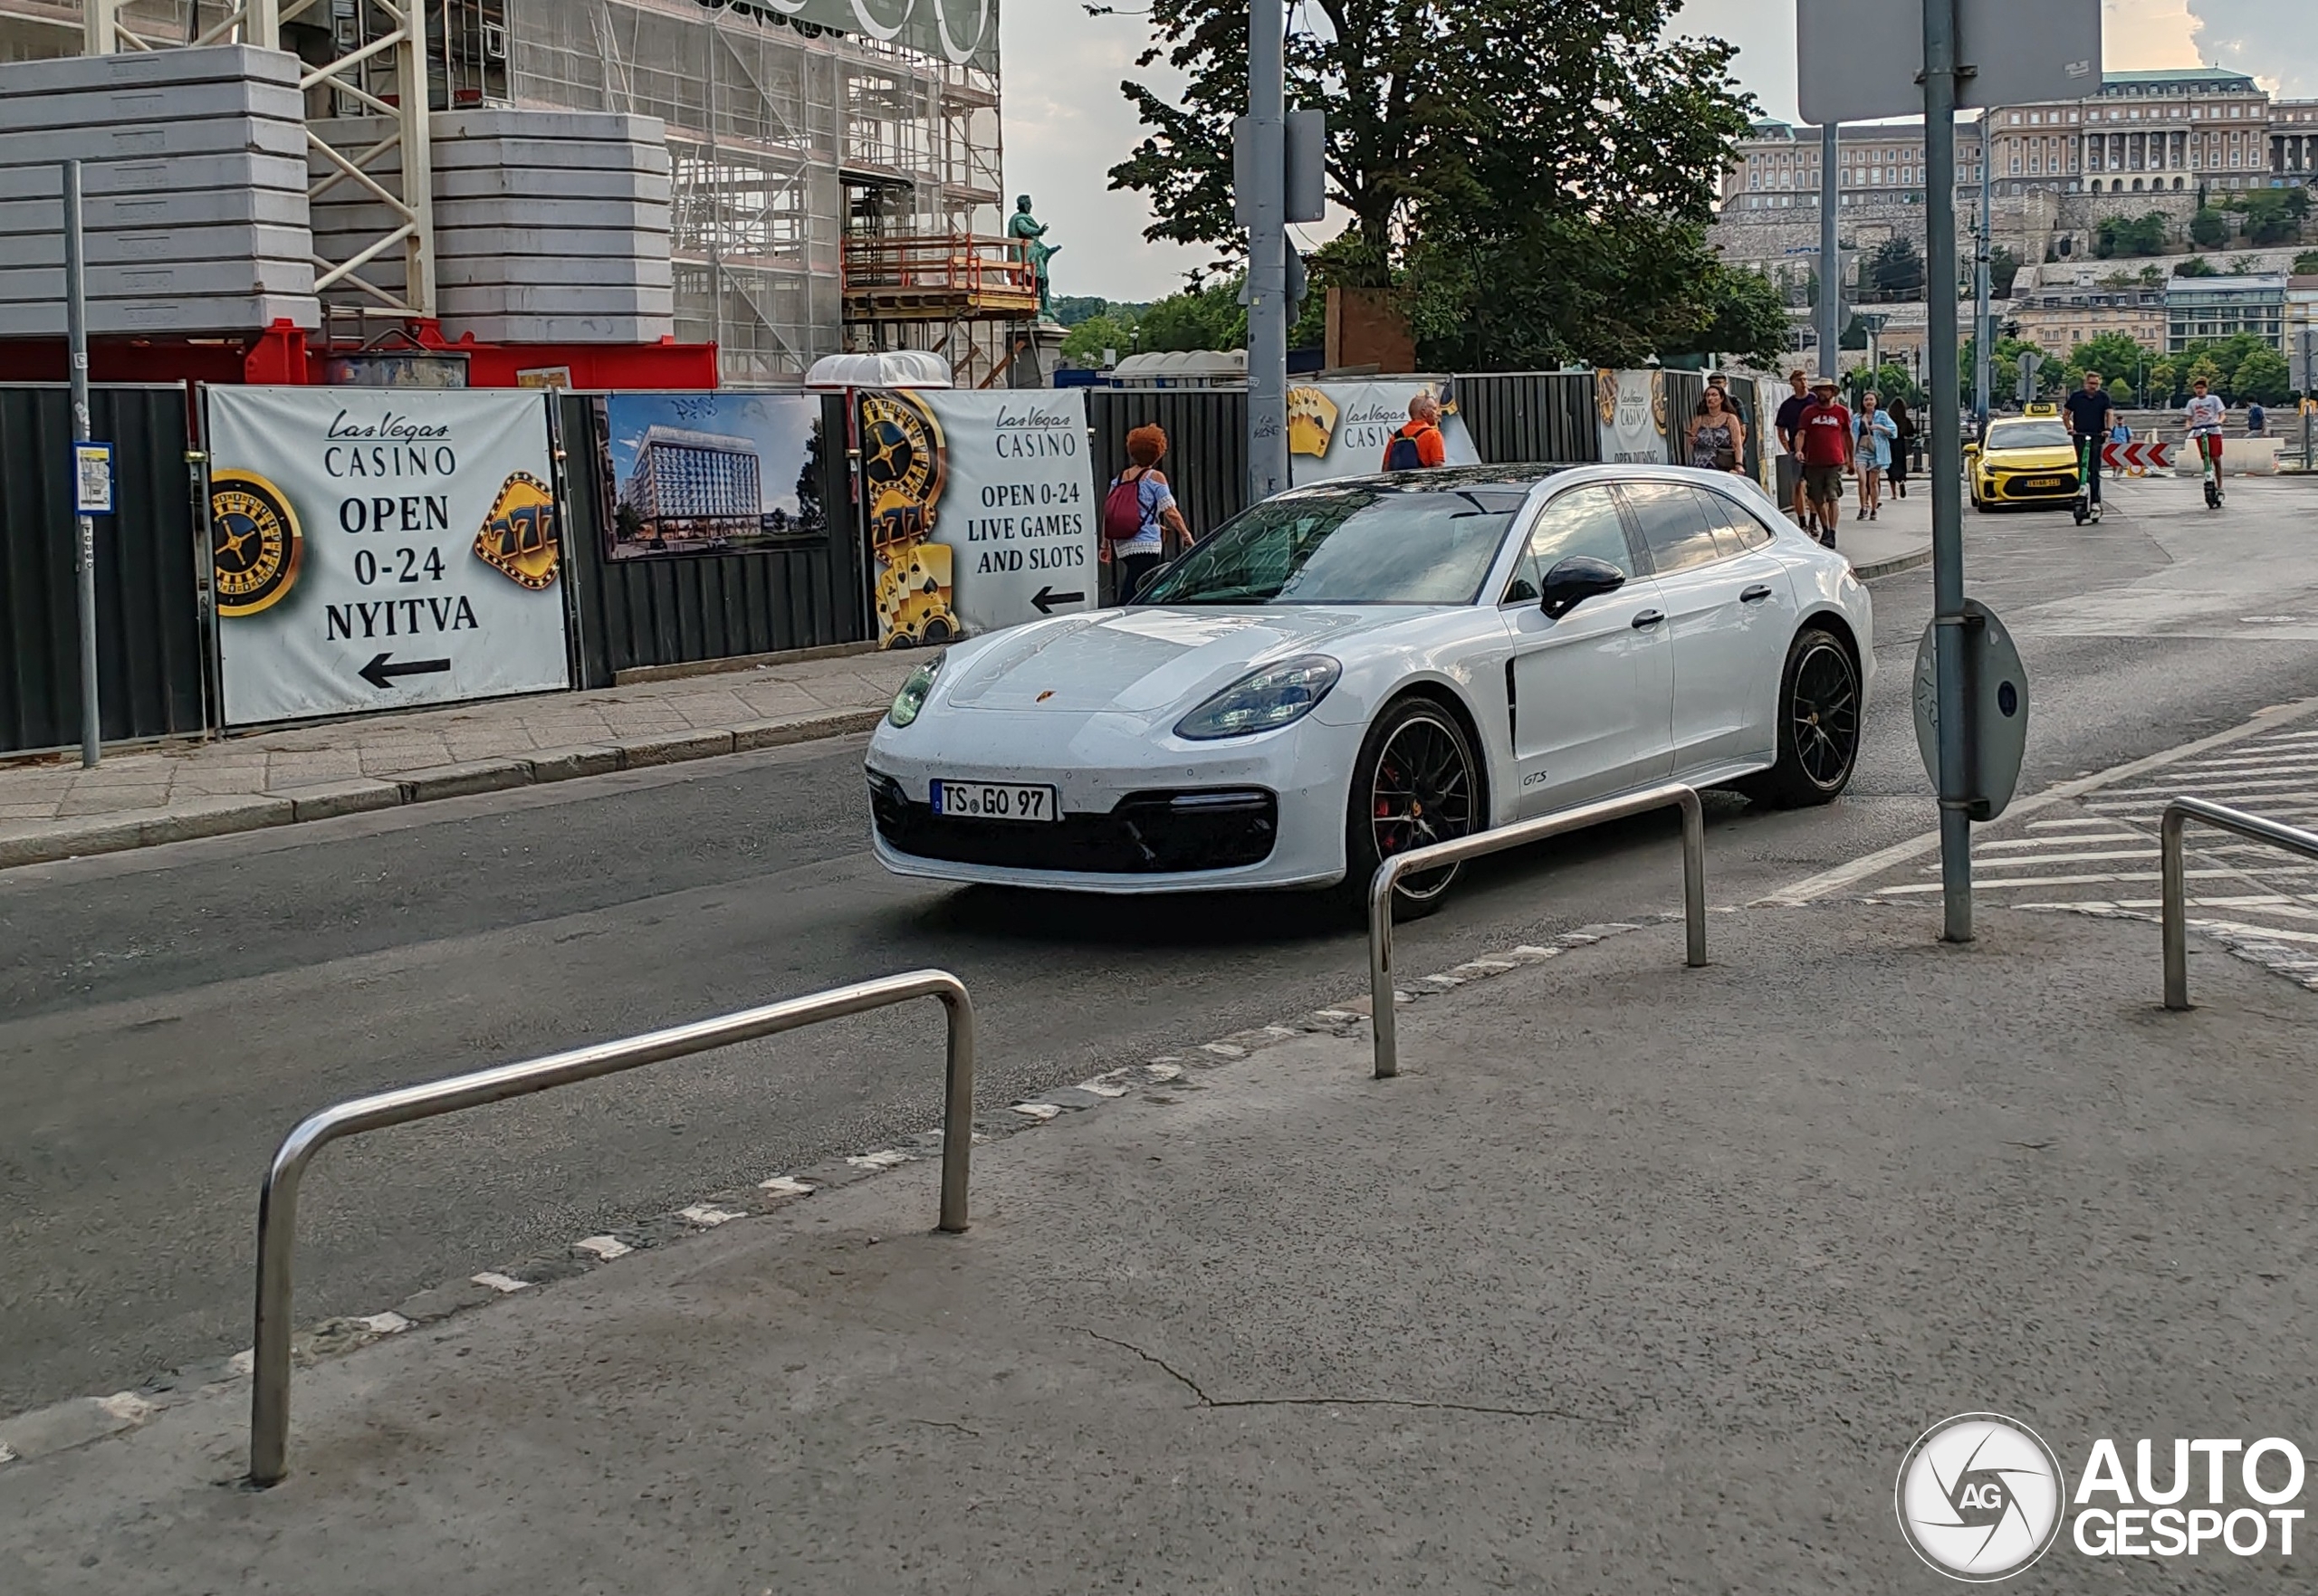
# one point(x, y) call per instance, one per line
point(995, 800)
point(2043, 482)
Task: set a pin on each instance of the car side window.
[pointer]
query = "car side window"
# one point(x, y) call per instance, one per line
point(1584, 521)
point(1736, 532)
point(1674, 526)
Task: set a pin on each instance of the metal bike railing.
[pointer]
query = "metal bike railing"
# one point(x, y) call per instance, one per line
point(277, 1211)
point(1382, 1021)
point(2175, 908)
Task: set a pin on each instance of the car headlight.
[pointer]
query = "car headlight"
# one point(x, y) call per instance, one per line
point(1263, 700)
point(913, 695)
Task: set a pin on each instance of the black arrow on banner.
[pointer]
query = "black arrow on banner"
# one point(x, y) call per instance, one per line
point(1046, 598)
point(380, 674)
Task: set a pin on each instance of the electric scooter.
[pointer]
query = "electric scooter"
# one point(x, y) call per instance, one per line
point(2212, 475)
point(2088, 461)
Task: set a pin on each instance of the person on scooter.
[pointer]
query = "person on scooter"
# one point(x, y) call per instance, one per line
point(2203, 421)
point(2091, 413)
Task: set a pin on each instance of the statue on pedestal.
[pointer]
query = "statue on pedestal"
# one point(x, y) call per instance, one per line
point(1035, 252)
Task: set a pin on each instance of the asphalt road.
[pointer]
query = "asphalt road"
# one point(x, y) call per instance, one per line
point(170, 1013)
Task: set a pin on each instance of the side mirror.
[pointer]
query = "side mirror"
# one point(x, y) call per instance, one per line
point(1970, 450)
point(1574, 581)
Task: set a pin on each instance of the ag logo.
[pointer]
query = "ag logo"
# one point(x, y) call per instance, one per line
point(1980, 1497)
point(254, 544)
point(518, 538)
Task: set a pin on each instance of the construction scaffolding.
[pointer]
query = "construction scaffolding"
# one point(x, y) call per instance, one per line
point(789, 142)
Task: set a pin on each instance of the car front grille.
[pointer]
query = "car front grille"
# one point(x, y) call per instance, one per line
point(2059, 484)
point(1145, 833)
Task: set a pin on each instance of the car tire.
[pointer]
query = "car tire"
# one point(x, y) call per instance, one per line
point(1818, 724)
point(1417, 760)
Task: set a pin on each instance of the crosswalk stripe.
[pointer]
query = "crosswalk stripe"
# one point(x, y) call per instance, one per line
point(2028, 881)
point(2063, 825)
point(2069, 840)
point(2015, 861)
point(2206, 790)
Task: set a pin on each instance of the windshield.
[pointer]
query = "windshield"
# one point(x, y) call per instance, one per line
point(1350, 545)
point(2028, 435)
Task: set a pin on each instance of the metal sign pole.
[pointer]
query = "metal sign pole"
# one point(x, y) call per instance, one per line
point(76, 341)
point(1264, 210)
point(1940, 72)
point(1831, 254)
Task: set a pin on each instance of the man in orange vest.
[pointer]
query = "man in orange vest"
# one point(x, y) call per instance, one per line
point(1418, 445)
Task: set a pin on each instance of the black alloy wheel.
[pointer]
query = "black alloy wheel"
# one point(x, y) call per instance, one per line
point(1818, 732)
point(1416, 783)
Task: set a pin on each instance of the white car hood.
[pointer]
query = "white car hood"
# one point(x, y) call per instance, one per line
point(1143, 661)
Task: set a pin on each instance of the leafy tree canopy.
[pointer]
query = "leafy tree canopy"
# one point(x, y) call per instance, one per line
point(2210, 228)
point(1534, 180)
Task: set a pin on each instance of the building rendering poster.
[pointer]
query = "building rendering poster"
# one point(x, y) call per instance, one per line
point(711, 473)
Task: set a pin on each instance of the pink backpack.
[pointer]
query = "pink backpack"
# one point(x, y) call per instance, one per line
point(1123, 510)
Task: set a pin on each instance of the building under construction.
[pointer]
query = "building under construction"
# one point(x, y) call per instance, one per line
point(832, 168)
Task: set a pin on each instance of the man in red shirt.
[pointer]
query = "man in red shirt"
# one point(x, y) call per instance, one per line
point(1418, 445)
point(1823, 430)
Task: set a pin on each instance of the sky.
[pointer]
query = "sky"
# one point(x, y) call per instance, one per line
point(1066, 124)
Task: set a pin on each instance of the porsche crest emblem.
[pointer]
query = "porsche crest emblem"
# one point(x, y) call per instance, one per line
point(254, 545)
point(518, 540)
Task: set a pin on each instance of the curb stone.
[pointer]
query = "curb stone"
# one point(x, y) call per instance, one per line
point(81, 1420)
point(325, 800)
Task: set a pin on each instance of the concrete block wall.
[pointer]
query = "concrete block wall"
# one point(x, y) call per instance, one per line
point(549, 225)
point(194, 183)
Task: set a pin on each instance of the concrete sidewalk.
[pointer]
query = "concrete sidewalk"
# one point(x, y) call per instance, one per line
point(51, 809)
point(1639, 1278)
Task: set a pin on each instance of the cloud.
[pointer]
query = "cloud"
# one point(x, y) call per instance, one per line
point(2275, 41)
point(1066, 125)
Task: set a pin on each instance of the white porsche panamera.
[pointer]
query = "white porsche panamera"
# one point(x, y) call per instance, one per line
point(1349, 671)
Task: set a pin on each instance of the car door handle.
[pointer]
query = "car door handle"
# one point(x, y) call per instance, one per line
point(1647, 618)
point(1756, 594)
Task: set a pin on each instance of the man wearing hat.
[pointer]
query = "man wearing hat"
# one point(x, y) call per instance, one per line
point(1823, 430)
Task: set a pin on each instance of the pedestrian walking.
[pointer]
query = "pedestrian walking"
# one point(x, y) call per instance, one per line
point(1139, 514)
point(2091, 413)
point(2120, 434)
point(1716, 437)
point(1904, 445)
point(2258, 420)
point(1873, 430)
point(1823, 432)
point(1418, 445)
point(1787, 423)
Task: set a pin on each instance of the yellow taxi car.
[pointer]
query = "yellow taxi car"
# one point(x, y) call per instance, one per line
point(2027, 460)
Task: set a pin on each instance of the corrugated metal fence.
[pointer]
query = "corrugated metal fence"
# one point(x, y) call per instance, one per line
point(150, 647)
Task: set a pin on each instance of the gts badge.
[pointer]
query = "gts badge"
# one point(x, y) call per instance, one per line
point(1535, 778)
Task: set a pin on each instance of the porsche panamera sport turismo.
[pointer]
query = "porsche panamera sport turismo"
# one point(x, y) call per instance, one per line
point(1349, 671)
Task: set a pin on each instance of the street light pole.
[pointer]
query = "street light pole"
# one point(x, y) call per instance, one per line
point(1939, 73)
point(1983, 366)
point(84, 560)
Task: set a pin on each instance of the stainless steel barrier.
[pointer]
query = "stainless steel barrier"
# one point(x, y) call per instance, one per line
point(2175, 909)
point(1382, 1021)
point(277, 1209)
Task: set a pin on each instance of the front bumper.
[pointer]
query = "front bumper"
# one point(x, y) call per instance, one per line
point(1143, 811)
point(2030, 487)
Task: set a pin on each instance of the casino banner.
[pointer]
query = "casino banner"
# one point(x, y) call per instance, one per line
point(980, 510)
point(1631, 406)
point(377, 548)
point(1338, 429)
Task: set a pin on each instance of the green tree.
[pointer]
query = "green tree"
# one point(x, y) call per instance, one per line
point(1070, 309)
point(1091, 337)
point(2210, 228)
point(2269, 220)
point(2131, 235)
point(2116, 357)
point(2164, 383)
point(2195, 266)
point(2004, 269)
point(2205, 366)
point(1894, 271)
point(2305, 265)
point(1197, 319)
point(1535, 180)
point(2263, 378)
point(1749, 321)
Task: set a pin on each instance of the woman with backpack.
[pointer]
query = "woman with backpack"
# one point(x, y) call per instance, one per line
point(1139, 514)
point(1903, 447)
